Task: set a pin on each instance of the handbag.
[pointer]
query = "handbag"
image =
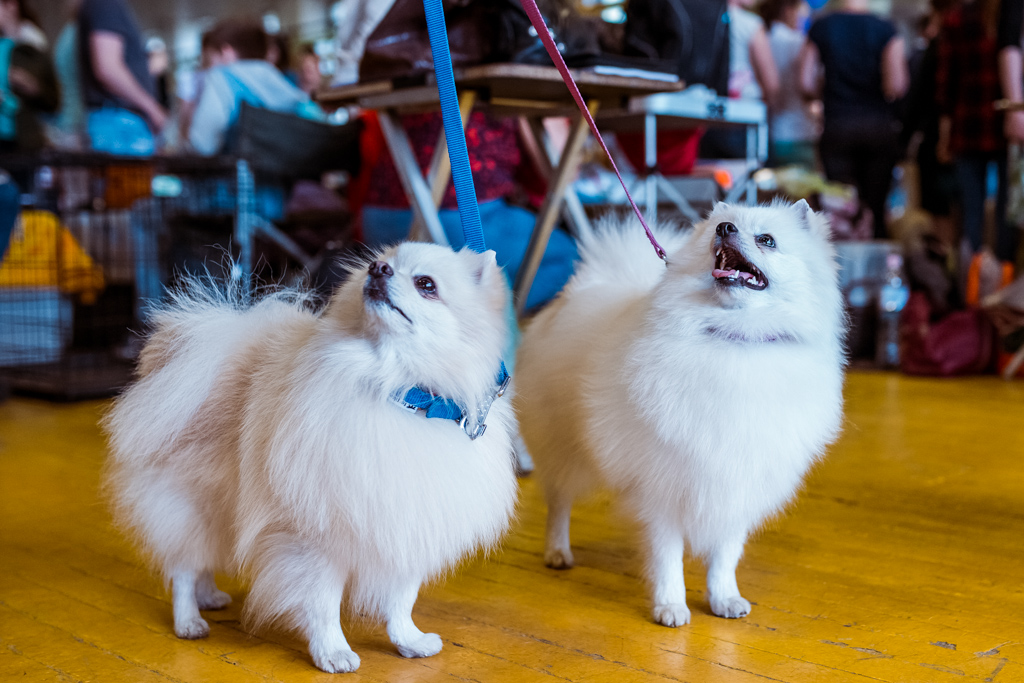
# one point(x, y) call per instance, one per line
point(962, 343)
point(479, 31)
point(691, 34)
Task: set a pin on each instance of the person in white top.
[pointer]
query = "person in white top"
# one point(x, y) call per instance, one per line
point(752, 71)
point(752, 75)
point(793, 131)
point(243, 74)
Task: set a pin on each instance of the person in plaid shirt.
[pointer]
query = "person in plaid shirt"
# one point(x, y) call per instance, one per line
point(971, 130)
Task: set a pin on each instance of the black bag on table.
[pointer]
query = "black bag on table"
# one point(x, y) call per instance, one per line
point(692, 34)
point(288, 145)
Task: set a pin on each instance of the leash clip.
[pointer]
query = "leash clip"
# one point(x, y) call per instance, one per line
point(477, 431)
point(481, 412)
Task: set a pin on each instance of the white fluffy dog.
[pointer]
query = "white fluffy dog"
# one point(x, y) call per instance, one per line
point(285, 445)
point(700, 393)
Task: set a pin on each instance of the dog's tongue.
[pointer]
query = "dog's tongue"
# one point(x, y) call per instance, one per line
point(718, 274)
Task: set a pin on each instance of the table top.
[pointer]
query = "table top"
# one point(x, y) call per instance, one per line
point(511, 86)
point(684, 109)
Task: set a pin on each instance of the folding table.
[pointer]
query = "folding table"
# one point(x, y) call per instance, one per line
point(531, 93)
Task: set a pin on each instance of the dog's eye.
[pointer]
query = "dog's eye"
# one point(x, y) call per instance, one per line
point(766, 241)
point(426, 287)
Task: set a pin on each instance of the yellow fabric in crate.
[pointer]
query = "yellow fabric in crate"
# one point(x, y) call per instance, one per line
point(42, 253)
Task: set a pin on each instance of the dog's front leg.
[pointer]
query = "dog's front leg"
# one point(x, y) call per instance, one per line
point(723, 593)
point(665, 574)
point(410, 641)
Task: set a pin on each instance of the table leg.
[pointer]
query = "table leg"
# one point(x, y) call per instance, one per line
point(440, 170)
point(677, 198)
point(651, 166)
point(568, 165)
point(752, 164)
point(537, 145)
point(408, 168)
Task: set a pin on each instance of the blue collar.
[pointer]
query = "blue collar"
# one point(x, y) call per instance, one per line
point(432, 405)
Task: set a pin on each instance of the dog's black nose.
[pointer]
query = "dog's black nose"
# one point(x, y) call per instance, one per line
point(725, 229)
point(380, 269)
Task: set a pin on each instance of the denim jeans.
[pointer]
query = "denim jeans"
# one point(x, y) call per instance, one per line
point(972, 176)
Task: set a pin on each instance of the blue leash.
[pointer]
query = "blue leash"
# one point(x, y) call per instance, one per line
point(418, 399)
point(462, 176)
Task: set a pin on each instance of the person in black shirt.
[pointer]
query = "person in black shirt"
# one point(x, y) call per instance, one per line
point(116, 81)
point(864, 73)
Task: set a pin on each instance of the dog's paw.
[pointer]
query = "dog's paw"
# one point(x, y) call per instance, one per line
point(340, 661)
point(732, 607)
point(427, 645)
point(216, 599)
point(190, 629)
point(557, 558)
point(672, 614)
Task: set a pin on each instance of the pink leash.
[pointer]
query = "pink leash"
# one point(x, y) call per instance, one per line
point(532, 11)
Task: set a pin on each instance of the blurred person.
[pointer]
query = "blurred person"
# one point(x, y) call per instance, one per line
point(26, 29)
point(937, 184)
point(1011, 80)
point(752, 75)
point(793, 132)
point(970, 129)
point(494, 156)
point(70, 120)
point(29, 86)
point(124, 116)
point(244, 75)
point(159, 65)
point(209, 57)
point(854, 62)
point(309, 74)
point(279, 53)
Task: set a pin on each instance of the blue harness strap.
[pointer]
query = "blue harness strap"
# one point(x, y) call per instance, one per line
point(443, 408)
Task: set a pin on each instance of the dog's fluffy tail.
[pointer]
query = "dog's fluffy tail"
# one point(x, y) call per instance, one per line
point(204, 324)
point(617, 251)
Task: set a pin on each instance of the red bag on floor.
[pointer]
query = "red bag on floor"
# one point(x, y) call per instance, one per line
point(959, 344)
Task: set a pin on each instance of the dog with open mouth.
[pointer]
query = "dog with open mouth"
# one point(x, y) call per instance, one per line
point(700, 393)
point(342, 456)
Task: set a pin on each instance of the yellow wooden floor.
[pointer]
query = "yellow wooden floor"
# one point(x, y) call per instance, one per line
point(903, 560)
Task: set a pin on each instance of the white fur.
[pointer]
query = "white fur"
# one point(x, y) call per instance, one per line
point(260, 439)
point(701, 405)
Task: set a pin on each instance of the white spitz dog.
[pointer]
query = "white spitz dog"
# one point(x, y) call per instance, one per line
point(700, 393)
point(280, 444)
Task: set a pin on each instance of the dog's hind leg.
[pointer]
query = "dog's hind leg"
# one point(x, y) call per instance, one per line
point(321, 620)
point(208, 596)
point(296, 584)
point(557, 550)
point(410, 641)
point(187, 622)
point(723, 593)
point(665, 573)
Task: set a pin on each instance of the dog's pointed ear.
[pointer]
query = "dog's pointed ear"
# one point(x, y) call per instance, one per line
point(718, 206)
point(486, 267)
point(817, 223)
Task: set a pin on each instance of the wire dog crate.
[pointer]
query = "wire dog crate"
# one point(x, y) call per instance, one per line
point(99, 237)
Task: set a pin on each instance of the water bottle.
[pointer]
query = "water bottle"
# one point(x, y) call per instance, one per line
point(892, 298)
